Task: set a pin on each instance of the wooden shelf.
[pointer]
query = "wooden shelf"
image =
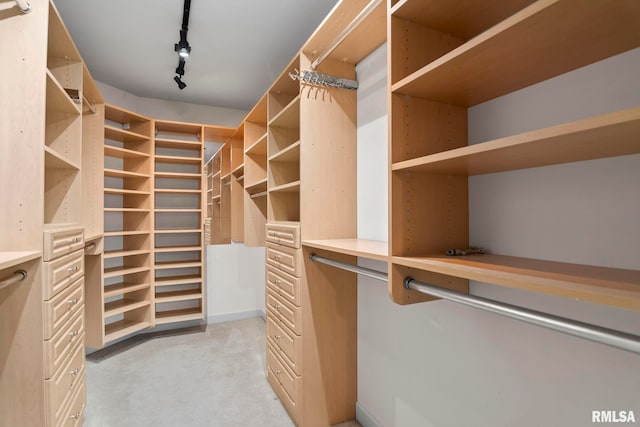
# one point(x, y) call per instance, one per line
point(257, 187)
point(10, 259)
point(178, 160)
point(176, 143)
point(192, 129)
point(178, 296)
point(122, 306)
point(57, 98)
point(216, 198)
point(289, 117)
point(372, 249)
point(177, 210)
point(225, 176)
point(238, 171)
point(122, 135)
point(258, 148)
point(134, 210)
point(178, 280)
point(174, 175)
point(177, 264)
point(120, 254)
point(125, 233)
point(178, 249)
point(607, 135)
point(120, 115)
point(114, 173)
point(292, 187)
point(123, 153)
point(55, 160)
point(543, 40)
point(176, 191)
point(122, 328)
point(288, 154)
point(178, 315)
point(179, 230)
point(601, 285)
point(122, 271)
point(126, 192)
point(123, 288)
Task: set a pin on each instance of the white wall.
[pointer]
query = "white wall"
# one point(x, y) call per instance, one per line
point(441, 364)
point(171, 110)
point(235, 282)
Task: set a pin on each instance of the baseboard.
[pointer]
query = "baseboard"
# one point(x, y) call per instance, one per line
point(263, 315)
point(365, 418)
point(229, 317)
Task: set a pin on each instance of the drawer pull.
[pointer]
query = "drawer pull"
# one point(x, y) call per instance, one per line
point(276, 256)
point(278, 372)
point(75, 240)
point(75, 416)
point(74, 269)
point(278, 281)
point(74, 334)
point(73, 301)
point(277, 337)
point(74, 372)
point(272, 233)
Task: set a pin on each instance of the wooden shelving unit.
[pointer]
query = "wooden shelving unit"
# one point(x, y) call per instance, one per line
point(371, 249)
point(122, 305)
point(474, 54)
point(236, 190)
point(178, 218)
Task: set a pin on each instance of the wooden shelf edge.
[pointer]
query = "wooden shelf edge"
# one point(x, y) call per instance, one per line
point(121, 289)
point(135, 137)
point(178, 316)
point(10, 259)
point(285, 151)
point(601, 285)
point(371, 249)
point(122, 306)
point(58, 92)
point(122, 328)
point(260, 141)
point(290, 187)
point(55, 160)
point(284, 112)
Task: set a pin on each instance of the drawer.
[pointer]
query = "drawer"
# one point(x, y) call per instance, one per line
point(287, 379)
point(286, 259)
point(288, 343)
point(58, 348)
point(287, 286)
point(74, 414)
point(62, 241)
point(285, 399)
point(282, 234)
point(60, 387)
point(288, 314)
point(62, 272)
point(61, 307)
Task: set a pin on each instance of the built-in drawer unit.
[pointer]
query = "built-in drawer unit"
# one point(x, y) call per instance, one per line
point(60, 241)
point(284, 234)
point(75, 409)
point(289, 344)
point(284, 284)
point(287, 313)
point(61, 307)
point(62, 272)
point(58, 348)
point(285, 258)
point(59, 388)
point(288, 379)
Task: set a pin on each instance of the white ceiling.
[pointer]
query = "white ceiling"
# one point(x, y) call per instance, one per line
point(239, 47)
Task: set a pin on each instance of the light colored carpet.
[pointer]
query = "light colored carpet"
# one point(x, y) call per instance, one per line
point(207, 379)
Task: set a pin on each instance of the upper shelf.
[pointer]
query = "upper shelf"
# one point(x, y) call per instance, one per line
point(258, 148)
point(601, 285)
point(10, 259)
point(607, 135)
point(57, 97)
point(289, 117)
point(116, 134)
point(372, 249)
point(357, 43)
point(546, 39)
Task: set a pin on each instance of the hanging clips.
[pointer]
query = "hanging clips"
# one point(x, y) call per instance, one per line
point(323, 80)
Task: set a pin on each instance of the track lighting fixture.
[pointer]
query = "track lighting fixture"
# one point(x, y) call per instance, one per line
point(182, 47)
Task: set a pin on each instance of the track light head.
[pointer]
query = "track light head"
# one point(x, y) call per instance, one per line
point(183, 49)
point(180, 83)
point(180, 67)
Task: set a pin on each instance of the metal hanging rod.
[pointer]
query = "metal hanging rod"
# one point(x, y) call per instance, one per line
point(343, 35)
point(374, 274)
point(16, 277)
point(90, 246)
point(610, 337)
point(88, 104)
point(24, 6)
point(323, 80)
point(255, 196)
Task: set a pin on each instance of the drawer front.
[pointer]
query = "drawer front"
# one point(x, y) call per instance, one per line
point(60, 308)
point(62, 272)
point(58, 348)
point(286, 400)
point(289, 344)
point(285, 285)
point(288, 314)
point(75, 412)
point(286, 259)
point(58, 242)
point(287, 235)
point(58, 388)
point(287, 379)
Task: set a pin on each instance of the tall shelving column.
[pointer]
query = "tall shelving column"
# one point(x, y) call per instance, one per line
point(207, 203)
point(255, 174)
point(178, 249)
point(216, 196)
point(443, 62)
point(127, 297)
point(236, 185)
